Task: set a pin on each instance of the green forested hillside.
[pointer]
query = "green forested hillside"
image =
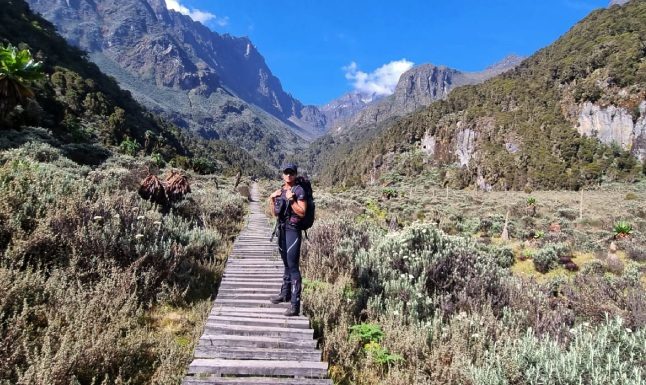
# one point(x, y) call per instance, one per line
point(532, 109)
point(89, 115)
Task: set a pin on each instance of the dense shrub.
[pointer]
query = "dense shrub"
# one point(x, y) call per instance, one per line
point(83, 260)
point(446, 305)
point(606, 354)
point(424, 270)
point(545, 259)
point(333, 246)
point(504, 256)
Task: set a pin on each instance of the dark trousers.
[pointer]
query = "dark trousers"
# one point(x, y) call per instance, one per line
point(289, 244)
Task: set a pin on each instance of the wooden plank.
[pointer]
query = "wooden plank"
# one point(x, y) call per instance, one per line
point(248, 313)
point(268, 331)
point(249, 303)
point(255, 341)
point(260, 322)
point(269, 272)
point(247, 353)
point(227, 308)
point(306, 369)
point(271, 278)
point(251, 296)
point(248, 290)
point(237, 284)
point(276, 269)
point(254, 270)
point(242, 263)
point(233, 280)
point(276, 280)
point(216, 380)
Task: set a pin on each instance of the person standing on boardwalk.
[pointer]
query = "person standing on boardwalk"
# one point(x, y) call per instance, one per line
point(289, 206)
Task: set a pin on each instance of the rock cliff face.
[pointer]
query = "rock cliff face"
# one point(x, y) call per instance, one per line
point(144, 45)
point(614, 124)
point(417, 88)
point(339, 110)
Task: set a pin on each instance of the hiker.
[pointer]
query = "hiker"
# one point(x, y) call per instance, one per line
point(289, 205)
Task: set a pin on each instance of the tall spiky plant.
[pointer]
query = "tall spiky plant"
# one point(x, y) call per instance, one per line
point(17, 70)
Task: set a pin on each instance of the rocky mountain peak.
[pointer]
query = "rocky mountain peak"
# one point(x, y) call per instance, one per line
point(507, 63)
point(142, 41)
point(160, 9)
point(417, 87)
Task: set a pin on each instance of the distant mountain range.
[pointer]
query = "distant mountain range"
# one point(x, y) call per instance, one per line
point(417, 87)
point(217, 85)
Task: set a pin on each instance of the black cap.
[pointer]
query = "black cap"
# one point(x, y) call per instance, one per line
point(290, 166)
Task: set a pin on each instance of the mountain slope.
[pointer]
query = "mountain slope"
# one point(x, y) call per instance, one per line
point(550, 123)
point(86, 110)
point(417, 87)
point(217, 85)
point(356, 118)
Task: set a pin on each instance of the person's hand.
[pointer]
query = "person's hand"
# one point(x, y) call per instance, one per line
point(276, 194)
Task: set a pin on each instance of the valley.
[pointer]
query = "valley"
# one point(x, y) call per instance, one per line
point(472, 227)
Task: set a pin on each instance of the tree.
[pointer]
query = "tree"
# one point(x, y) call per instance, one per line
point(17, 70)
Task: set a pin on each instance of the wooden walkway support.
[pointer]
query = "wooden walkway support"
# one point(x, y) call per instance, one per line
point(246, 339)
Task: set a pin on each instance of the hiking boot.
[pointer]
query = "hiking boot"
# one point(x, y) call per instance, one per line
point(292, 311)
point(279, 299)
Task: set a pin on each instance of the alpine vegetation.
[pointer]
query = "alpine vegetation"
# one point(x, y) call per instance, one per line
point(415, 305)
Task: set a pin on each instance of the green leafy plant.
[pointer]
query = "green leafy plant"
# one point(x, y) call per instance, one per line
point(527, 254)
point(631, 196)
point(531, 201)
point(310, 285)
point(381, 355)
point(180, 162)
point(539, 234)
point(157, 159)
point(203, 166)
point(622, 229)
point(17, 70)
point(366, 333)
point(374, 211)
point(389, 192)
point(129, 147)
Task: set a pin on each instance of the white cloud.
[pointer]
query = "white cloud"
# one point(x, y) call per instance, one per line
point(223, 21)
point(381, 81)
point(195, 14)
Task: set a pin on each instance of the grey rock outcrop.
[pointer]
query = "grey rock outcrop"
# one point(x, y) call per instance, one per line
point(617, 2)
point(466, 145)
point(428, 143)
point(615, 124)
point(338, 111)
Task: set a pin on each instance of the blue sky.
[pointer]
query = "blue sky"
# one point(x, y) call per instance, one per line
point(311, 45)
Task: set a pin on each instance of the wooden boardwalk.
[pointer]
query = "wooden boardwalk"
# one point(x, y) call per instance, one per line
point(246, 339)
